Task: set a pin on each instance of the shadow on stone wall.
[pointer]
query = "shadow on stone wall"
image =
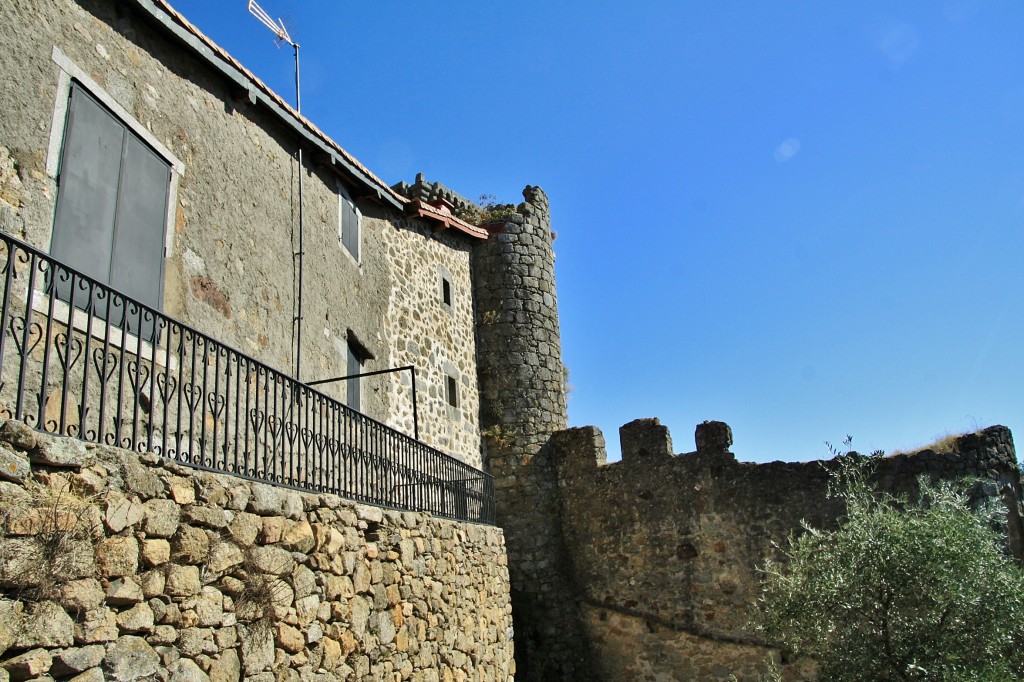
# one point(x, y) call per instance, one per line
point(664, 549)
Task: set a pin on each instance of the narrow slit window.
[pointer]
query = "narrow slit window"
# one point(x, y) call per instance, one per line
point(452, 392)
point(446, 291)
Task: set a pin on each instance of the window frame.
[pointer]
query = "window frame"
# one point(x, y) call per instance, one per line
point(451, 391)
point(345, 198)
point(70, 76)
point(67, 74)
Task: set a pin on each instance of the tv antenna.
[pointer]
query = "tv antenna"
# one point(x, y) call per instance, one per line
point(281, 32)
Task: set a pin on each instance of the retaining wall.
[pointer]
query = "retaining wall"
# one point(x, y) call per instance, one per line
point(122, 567)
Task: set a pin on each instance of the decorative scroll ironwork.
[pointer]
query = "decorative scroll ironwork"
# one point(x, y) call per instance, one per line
point(79, 359)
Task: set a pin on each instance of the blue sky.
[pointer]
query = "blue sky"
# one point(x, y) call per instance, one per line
point(801, 218)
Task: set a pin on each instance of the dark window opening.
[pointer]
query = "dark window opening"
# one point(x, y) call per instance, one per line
point(358, 354)
point(452, 392)
point(446, 291)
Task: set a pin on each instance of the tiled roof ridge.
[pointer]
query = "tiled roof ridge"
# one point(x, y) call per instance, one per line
point(436, 200)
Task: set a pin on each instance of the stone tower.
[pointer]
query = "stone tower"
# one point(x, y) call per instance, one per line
point(522, 383)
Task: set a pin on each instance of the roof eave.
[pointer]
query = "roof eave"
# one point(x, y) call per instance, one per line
point(162, 15)
point(444, 220)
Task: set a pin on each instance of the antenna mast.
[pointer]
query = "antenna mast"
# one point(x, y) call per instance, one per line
point(281, 32)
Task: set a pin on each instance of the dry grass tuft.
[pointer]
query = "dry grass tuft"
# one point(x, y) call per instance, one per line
point(945, 443)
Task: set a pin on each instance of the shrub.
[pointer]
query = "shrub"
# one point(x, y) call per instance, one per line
point(903, 590)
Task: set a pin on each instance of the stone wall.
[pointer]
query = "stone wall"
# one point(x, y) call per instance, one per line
point(418, 325)
point(522, 387)
point(120, 567)
point(665, 549)
point(230, 268)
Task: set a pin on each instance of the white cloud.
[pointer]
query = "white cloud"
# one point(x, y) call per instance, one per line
point(787, 149)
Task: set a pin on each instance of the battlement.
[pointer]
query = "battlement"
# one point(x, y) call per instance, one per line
point(665, 548)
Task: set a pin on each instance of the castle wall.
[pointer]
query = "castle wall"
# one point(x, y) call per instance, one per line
point(665, 549)
point(233, 226)
point(120, 567)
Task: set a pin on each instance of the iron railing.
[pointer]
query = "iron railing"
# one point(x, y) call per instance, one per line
point(110, 370)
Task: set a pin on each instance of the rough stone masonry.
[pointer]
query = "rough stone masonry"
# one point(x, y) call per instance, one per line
point(665, 549)
point(124, 567)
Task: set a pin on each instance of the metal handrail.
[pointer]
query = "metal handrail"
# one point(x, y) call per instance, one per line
point(109, 369)
point(407, 368)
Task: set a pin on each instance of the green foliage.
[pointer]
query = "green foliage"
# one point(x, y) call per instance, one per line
point(902, 590)
point(499, 436)
point(489, 210)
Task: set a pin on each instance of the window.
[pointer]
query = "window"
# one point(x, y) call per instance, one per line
point(358, 354)
point(446, 291)
point(452, 391)
point(444, 281)
point(113, 191)
point(352, 385)
point(348, 223)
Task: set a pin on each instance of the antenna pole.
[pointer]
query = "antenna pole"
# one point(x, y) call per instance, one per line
point(302, 248)
point(281, 32)
point(298, 89)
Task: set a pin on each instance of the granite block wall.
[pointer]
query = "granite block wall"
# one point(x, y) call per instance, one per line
point(665, 549)
point(118, 566)
point(522, 402)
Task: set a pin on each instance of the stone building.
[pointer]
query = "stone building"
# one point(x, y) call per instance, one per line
point(256, 258)
point(136, 151)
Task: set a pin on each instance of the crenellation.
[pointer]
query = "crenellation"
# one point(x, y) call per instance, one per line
point(579, 452)
point(678, 540)
point(713, 437)
point(644, 438)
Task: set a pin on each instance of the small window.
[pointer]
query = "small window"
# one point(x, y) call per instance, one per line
point(357, 356)
point(348, 223)
point(352, 385)
point(452, 392)
point(444, 286)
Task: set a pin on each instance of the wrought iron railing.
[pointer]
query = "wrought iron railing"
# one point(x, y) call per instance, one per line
point(79, 359)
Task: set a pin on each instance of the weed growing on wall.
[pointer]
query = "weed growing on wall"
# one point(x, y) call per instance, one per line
point(498, 436)
point(46, 539)
point(263, 594)
point(488, 210)
point(903, 590)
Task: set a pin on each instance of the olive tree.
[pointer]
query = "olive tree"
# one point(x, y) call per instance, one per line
point(902, 590)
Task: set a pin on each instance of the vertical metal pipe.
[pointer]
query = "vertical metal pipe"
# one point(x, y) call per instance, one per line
point(302, 249)
point(415, 415)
